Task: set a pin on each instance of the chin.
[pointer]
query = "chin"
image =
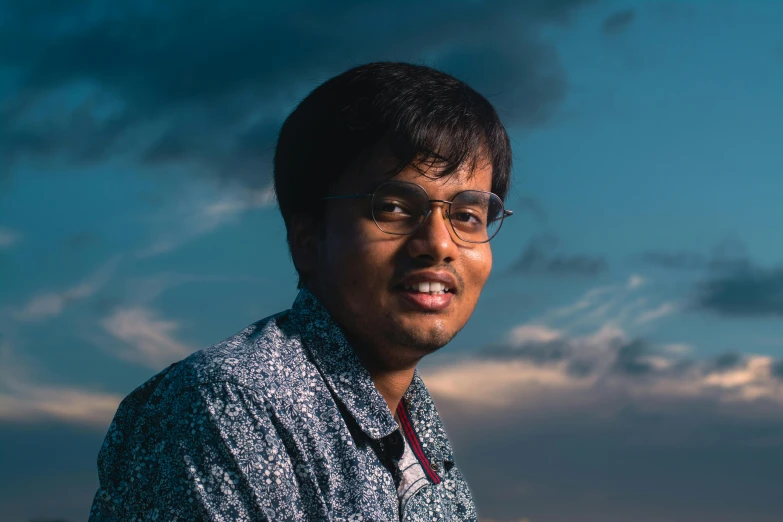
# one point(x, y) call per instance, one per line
point(425, 339)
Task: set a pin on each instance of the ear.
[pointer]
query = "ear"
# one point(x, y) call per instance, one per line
point(303, 241)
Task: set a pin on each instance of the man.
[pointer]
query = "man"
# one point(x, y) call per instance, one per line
point(390, 179)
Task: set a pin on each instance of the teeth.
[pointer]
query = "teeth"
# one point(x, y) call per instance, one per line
point(430, 287)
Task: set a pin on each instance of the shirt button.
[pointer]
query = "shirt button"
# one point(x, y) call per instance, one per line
point(434, 466)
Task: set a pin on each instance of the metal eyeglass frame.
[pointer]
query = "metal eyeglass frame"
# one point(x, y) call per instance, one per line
point(506, 213)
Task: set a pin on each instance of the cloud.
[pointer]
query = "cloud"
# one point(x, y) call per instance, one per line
point(50, 304)
point(537, 259)
point(635, 281)
point(728, 254)
point(748, 293)
point(733, 285)
point(661, 311)
point(29, 403)
point(149, 338)
point(676, 260)
point(609, 304)
point(200, 212)
point(604, 365)
point(533, 333)
point(23, 399)
point(208, 93)
point(8, 237)
point(625, 429)
point(537, 357)
point(618, 22)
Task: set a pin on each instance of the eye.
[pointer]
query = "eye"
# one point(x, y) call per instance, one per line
point(467, 217)
point(391, 206)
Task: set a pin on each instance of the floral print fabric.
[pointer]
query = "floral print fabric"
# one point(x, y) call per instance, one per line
point(278, 422)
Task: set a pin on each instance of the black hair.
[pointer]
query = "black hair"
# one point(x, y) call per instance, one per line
point(427, 117)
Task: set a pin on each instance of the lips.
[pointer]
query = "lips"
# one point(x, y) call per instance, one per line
point(428, 291)
point(426, 302)
point(430, 276)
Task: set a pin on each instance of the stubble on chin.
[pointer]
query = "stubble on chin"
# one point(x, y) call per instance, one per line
point(419, 341)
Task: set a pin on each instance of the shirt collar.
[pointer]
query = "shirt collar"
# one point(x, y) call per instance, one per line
point(424, 417)
point(341, 368)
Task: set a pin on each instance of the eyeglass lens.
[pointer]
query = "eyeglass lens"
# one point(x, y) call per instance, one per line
point(399, 208)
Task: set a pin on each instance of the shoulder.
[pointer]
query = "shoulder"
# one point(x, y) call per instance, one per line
point(260, 357)
point(255, 356)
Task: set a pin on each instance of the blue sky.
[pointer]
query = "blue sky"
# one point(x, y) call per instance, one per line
point(627, 352)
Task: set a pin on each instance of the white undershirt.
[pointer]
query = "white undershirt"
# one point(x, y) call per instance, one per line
point(413, 476)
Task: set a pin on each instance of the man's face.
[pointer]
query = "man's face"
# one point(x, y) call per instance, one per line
point(362, 273)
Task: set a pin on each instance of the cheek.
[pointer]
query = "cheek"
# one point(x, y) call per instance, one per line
point(356, 255)
point(478, 264)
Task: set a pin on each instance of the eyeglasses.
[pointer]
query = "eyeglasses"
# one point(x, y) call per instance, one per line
point(400, 208)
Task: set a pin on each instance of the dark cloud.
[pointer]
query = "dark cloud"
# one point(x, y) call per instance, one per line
point(538, 259)
point(777, 370)
point(676, 260)
point(746, 293)
point(630, 359)
point(728, 361)
point(540, 353)
point(728, 254)
point(205, 85)
point(618, 22)
point(733, 285)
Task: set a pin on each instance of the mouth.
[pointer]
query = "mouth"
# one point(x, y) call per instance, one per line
point(428, 296)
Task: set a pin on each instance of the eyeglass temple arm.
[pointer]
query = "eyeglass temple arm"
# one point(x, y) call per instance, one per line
point(349, 196)
point(506, 213)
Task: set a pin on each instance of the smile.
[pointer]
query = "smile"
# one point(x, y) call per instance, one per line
point(432, 288)
point(430, 301)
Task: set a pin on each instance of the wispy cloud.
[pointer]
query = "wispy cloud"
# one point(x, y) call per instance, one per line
point(23, 399)
point(651, 315)
point(201, 212)
point(618, 304)
point(149, 338)
point(635, 281)
point(8, 237)
point(533, 333)
point(52, 303)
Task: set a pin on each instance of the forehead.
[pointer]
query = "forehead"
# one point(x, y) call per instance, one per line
point(380, 167)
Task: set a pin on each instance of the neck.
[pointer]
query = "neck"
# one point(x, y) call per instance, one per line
point(391, 376)
point(392, 385)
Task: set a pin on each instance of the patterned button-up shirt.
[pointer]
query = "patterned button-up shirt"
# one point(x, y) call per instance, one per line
point(278, 422)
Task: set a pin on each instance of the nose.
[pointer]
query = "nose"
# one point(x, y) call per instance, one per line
point(433, 242)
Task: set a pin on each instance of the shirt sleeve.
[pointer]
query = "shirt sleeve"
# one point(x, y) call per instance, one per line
point(207, 453)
